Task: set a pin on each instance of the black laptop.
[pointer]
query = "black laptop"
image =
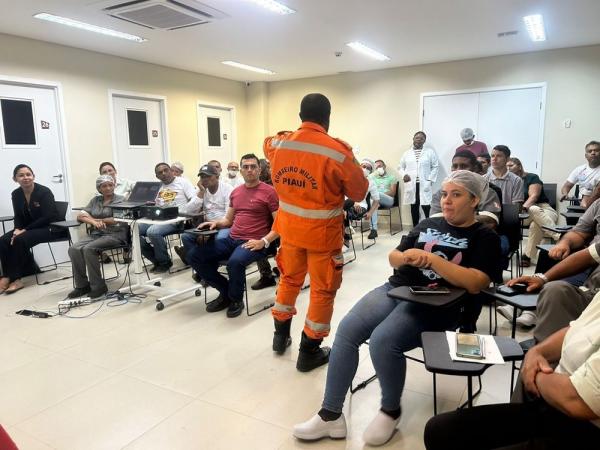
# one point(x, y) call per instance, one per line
point(142, 193)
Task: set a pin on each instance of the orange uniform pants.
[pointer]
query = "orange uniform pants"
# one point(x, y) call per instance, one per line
point(325, 270)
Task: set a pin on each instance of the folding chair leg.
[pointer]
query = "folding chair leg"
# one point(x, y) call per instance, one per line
point(434, 395)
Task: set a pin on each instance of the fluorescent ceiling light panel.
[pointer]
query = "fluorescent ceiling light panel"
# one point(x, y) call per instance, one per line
point(362, 48)
point(274, 6)
point(247, 67)
point(88, 27)
point(535, 27)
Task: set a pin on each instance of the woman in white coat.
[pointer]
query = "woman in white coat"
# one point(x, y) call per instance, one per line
point(419, 170)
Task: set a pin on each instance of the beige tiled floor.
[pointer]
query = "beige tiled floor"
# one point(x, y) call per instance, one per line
point(132, 377)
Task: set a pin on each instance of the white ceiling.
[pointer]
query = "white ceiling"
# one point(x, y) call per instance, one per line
point(303, 45)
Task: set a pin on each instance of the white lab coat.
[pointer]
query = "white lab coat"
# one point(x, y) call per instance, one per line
point(427, 168)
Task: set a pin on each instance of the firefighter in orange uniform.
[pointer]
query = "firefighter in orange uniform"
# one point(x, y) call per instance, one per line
point(311, 172)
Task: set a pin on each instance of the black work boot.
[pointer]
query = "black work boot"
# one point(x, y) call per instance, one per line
point(311, 355)
point(281, 337)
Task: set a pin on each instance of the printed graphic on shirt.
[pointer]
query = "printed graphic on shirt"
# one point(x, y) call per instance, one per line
point(446, 246)
point(167, 195)
point(295, 177)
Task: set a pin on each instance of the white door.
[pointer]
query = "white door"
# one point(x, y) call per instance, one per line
point(443, 118)
point(215, 134)
point(30, 133)
point(140, 143)
point(513, 118)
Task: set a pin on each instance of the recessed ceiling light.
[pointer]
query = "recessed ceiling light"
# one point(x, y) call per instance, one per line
point(247, 67)
point(362, 48)
point(274, 6)
point(88, 27)
point(535, 27)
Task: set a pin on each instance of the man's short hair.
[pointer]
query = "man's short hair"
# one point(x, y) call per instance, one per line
point(504, 149)
point(467, 154)
point(250, 156)
point(108, 163)
point(421, 132)
point(161, 164)
point(315, 108)
point(594, 143)
point(486, 156)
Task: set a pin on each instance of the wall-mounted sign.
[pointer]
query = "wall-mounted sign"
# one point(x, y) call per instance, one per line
point(45, 125)
point(154, 133)
point(224, 136)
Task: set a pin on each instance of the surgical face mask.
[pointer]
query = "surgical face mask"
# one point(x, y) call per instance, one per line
point(366, 172)
point(380, 171)
point(232, 173)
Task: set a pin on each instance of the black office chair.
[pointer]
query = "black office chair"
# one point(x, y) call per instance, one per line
point(385, 211)
point(511, 228)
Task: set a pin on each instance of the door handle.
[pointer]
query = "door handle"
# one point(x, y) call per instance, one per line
point(58, 178)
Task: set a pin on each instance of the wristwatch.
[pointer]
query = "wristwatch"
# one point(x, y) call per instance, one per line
point(267, 243)
point(541, 276)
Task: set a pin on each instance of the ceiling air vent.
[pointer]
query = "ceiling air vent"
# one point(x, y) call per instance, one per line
point(164, 14)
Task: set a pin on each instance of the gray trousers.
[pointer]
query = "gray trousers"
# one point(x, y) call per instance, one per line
point(558, 304)
point(85, 257)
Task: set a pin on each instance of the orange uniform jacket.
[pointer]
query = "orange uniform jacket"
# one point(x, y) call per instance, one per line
point(312, 172)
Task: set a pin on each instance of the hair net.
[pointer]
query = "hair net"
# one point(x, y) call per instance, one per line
point(177, 165)
point(466, 134)
point(103, 179)
point(369, 161)
point(471, 181)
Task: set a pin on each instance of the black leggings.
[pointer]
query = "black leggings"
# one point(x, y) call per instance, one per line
point(415, 207)
point(16, 259)
point(533, 425)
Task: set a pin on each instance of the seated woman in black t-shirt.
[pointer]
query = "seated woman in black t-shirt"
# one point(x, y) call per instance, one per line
point(34, 209)
point(453, 250)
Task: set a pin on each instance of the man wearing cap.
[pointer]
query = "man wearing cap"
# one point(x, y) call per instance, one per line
point(213, 197)
point(469, 143)
point(312, 172)
point(174, 191)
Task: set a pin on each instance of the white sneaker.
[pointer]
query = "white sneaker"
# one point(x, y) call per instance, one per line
point(527, 319)
point(506, 311)
point(380, 430)
point(316, 428)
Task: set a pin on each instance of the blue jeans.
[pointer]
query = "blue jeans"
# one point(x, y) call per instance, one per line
point(393, 327)
point(205, 261)
point(189, 240)
point(384, 200)
point(156, 251)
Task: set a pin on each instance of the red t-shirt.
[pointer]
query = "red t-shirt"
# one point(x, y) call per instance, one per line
point(476, 147)
point(254, 208)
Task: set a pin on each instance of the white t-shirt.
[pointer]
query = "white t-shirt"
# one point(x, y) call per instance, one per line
point(233, 182)
point(180, 192)
point(215, 205)
point(585, 177)
point(374, 194)
point(580, 356)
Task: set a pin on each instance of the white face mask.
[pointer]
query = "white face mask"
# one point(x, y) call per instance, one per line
point(366, 172)
point(232, 173)
point(380, 171)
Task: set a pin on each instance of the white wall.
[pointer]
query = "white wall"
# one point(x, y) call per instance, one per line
point(86, 78)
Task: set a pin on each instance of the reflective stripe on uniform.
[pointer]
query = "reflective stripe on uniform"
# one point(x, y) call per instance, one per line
point(280, 307)
point(309, 148)
point(310, 213)
point(317, 327)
